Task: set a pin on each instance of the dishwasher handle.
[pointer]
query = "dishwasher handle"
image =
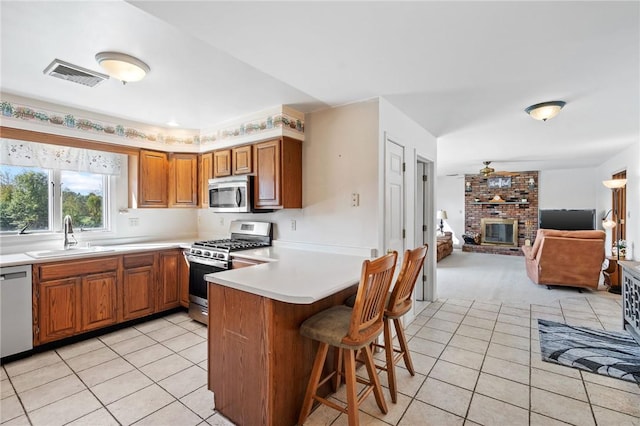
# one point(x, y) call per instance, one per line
point(13, 276)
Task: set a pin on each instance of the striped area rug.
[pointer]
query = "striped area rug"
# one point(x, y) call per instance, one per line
point(613, 354)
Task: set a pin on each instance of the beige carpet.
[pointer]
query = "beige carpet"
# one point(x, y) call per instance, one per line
point(501, 278)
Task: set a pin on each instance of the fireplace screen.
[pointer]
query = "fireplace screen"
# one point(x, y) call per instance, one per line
point(499, 231)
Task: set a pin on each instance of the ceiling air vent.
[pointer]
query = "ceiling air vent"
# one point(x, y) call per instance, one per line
point(74, 73)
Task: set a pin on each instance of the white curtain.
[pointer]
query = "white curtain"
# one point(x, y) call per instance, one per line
point(34, 154)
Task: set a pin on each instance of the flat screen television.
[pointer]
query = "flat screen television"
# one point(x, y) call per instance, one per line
point(568, 220)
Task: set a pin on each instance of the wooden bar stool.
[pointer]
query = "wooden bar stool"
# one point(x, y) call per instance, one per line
point(351, 330)
point(398, 303)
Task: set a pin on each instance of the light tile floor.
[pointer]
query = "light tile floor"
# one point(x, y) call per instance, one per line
point(476, 363)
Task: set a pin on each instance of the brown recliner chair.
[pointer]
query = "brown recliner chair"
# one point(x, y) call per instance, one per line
point(567, 258)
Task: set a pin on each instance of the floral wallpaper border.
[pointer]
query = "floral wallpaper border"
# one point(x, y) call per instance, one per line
point(240, 129)
point(268, 123)
point(24, 112)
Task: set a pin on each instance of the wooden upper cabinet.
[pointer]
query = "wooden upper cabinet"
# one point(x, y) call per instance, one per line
point(278, 168)
point(205, 172)
point(241, 160)
point(183, 180)
point(152, 179)
point(222, 163)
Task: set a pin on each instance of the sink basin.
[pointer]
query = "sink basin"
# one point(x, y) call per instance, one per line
point(79, 251)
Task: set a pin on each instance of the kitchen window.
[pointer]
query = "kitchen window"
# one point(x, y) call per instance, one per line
point(40, 184)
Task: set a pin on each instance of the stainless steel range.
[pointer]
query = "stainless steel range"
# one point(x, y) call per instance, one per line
point(206, 257)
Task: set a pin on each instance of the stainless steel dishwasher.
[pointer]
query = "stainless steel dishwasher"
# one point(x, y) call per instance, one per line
point(15, 310)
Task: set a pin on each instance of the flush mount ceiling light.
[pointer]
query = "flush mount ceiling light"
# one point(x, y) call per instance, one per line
point(123, 67)
point(545, 110)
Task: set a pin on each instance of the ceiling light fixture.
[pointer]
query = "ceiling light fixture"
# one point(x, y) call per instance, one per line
point(545, 110)
point(123, 67)
point(486, 170)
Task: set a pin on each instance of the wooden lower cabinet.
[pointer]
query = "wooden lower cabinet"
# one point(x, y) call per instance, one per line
point(184, 281)
point(75, 305)
point(138, 286)
point(98, 301)
point(58, 309)
point(169, 280)
point(77, 296)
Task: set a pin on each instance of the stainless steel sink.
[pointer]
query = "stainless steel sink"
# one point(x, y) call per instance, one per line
point(79, 251)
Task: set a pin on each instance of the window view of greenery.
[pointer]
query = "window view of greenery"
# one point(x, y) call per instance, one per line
point(24, 198)
point(82, 198)
point(24, 195)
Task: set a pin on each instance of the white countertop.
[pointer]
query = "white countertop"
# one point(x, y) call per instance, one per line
point(109, 250)
point(292, 276)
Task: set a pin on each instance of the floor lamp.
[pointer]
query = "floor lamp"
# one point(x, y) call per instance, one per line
point(615, 185)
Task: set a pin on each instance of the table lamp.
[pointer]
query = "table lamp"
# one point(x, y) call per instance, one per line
point(441, 214)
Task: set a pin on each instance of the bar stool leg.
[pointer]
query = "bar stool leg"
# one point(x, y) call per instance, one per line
point(404, 346)
point(373, 376)
point(337, 367)
point(350, 378)
point(314, 379)
point(389, 358)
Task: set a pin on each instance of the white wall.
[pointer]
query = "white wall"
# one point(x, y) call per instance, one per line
point(629, 160)
point(451, 199)
point(567, 189)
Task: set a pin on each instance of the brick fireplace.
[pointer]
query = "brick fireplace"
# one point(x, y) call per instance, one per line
point(512, 198)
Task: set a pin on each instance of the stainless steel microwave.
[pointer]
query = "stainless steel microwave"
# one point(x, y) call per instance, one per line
point(232, 194)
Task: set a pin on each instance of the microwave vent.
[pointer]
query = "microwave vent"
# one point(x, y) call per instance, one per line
point(74, 73)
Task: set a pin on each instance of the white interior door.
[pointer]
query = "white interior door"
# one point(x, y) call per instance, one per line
point(394, 233)
point(421, 221)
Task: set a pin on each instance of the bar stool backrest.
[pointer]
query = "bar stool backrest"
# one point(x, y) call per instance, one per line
point(368, 310)
point(400, 300)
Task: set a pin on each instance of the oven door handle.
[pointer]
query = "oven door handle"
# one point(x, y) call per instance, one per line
point(238, 197)
point(210, 262)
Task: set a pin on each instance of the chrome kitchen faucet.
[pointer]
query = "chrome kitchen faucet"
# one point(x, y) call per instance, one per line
point(68, 233)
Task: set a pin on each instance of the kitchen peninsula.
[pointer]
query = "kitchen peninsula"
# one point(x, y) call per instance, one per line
point(259, 364)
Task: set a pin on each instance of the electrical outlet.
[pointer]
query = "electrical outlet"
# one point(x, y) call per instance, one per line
point(355, 199)
point(134, 221)
point(293, 224)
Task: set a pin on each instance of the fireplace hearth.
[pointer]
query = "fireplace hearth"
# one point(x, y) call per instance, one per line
point(503, 232)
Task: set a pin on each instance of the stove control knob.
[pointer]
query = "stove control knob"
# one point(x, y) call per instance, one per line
point(196, 251)
point(206, 253)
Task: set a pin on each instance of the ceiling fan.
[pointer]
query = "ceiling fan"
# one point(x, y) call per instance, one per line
point(488, 171)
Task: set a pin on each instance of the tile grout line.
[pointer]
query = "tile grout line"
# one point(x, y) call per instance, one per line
point(119, 356)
